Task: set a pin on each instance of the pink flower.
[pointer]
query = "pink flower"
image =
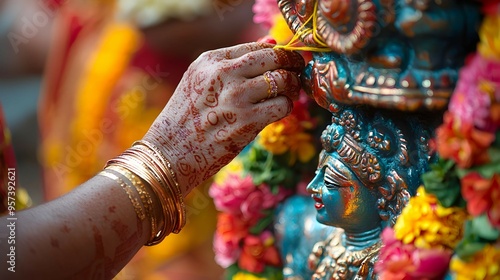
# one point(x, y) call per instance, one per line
point(259, 251)
point(260, 199)
point(431, 263)
point(230, 231)
point(477, 88)
point(232, 193)
point(226, 251)
point(406, 262)
point(265, 12)
point(395, 257)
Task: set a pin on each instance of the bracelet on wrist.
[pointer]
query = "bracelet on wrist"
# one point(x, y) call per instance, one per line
point(149, 172)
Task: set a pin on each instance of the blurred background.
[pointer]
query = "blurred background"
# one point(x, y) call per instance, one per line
point(19, 98)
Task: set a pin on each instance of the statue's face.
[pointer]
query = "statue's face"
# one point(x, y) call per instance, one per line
point(398, 54)
point(341, 199)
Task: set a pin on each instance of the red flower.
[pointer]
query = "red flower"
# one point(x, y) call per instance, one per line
point(462, 142)
point(483, 196)
point(259, 251)
point(231, 229)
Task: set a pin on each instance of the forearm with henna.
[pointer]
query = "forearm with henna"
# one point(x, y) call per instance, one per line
point(90, 233)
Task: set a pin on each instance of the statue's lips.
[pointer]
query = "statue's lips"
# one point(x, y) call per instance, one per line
point(318, 202)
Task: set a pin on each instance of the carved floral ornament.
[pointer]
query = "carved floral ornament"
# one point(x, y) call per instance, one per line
point(396, 54)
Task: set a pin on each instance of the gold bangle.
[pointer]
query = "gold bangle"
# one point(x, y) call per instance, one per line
point(139, 210)
point(162, 191)
point(144, 162)
point(171, 178)
point(161, 229)
point(146, 199)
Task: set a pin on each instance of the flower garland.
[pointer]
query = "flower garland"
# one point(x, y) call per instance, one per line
point(274, 166)
point(452, 227)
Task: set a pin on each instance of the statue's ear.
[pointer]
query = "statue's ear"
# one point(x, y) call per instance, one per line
point(394, 197)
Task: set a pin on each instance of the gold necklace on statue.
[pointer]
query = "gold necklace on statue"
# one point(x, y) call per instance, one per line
point(330, 259)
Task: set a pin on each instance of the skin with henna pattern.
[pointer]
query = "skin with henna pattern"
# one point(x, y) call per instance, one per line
point(226, 108)
point(219, 107)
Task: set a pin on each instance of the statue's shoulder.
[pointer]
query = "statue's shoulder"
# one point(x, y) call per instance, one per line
point(297, 231)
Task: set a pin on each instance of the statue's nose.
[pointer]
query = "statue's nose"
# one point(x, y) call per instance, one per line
point(314, 187)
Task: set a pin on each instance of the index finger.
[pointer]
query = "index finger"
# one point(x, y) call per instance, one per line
point(256, 63)
point(239, 50)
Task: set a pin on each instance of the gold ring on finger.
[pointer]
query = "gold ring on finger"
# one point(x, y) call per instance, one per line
point(272, 91)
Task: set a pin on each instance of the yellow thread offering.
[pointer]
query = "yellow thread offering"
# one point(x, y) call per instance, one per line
point(303, 31)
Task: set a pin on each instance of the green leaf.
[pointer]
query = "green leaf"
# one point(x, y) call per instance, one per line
point(266, 168)
point(473, 240)
point(494, 153)
point(483, 228)
point(262, 224)
point(466, 249)
point(488, 170)
point(443, 182)
point(270, 272)
point(231, 271)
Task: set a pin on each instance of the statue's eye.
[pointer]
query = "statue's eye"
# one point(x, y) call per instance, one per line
point(335, 179)
point(332, 179)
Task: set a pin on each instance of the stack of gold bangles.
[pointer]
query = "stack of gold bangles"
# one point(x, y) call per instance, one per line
point(144, 162)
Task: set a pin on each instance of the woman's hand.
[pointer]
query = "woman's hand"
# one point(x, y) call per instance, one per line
point(223, 101)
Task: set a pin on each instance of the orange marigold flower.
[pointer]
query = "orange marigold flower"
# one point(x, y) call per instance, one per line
point(462, 142)
point(427, 224)
point(484, 265)
point(288, 135)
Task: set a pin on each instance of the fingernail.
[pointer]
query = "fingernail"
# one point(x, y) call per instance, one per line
point(267, 39)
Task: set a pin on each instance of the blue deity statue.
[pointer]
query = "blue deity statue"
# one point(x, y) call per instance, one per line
point(389, 71)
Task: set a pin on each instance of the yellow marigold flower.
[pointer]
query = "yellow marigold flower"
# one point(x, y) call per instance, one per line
point(235, 166)
point(280, 30)
point(489, 46)
point(273, 138)
point(427, 224)
point(287, 135)
point(484, 265)
point(246, 276)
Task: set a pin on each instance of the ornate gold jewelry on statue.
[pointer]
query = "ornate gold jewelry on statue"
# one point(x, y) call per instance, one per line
point(273, 85)
point(330, 259)
point(146, 161)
